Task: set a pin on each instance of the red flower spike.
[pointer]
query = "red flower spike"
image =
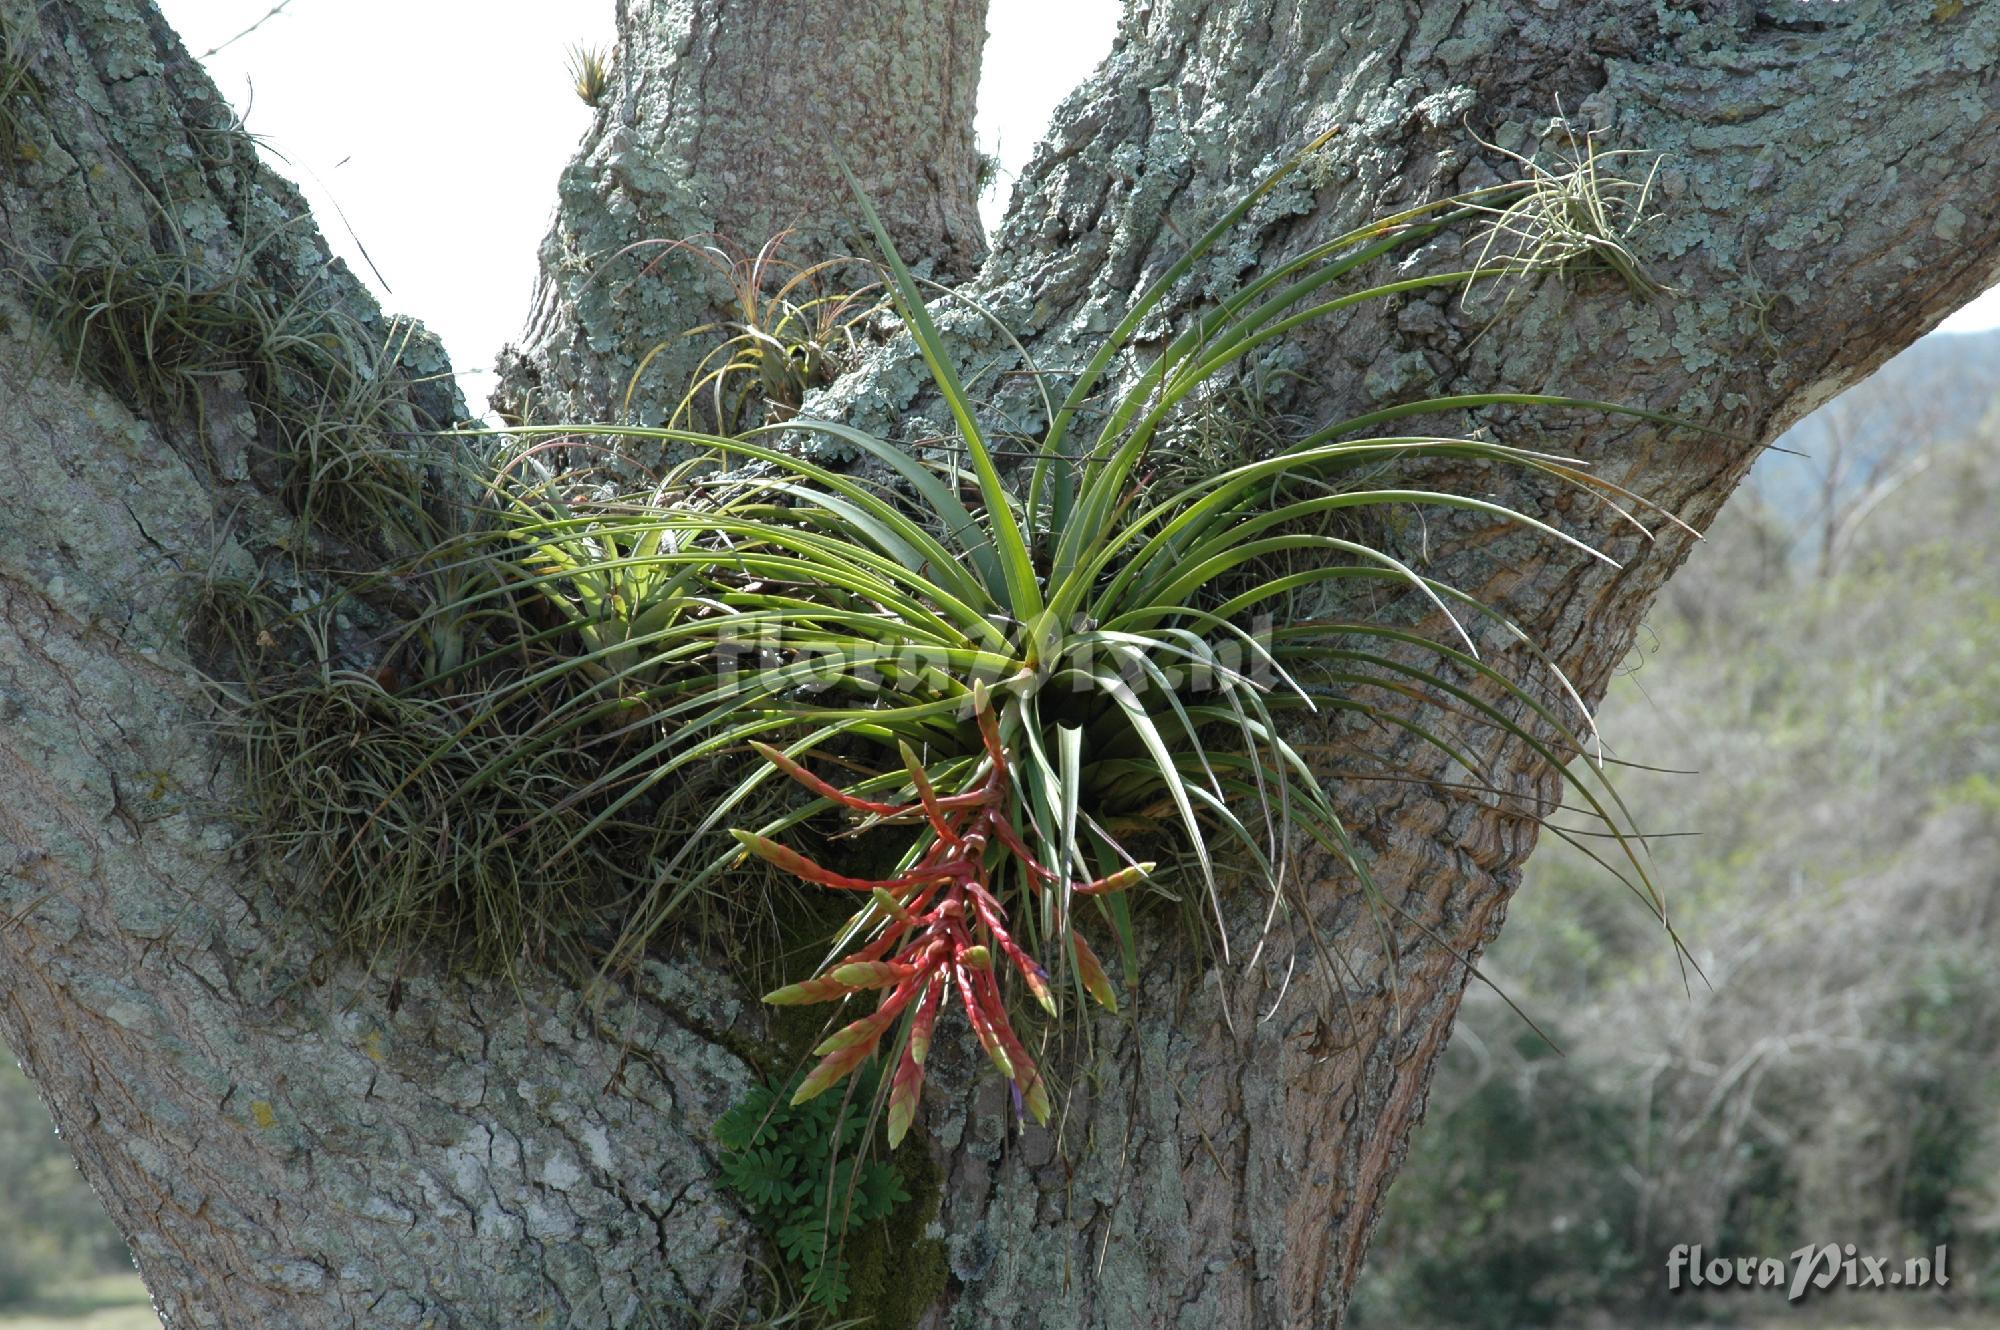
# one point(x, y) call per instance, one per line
point(1091, 971)
point(1004, 833)
point(812, 990)
point(1034, 1090)
point(1036, 1098)
point(831, 1072)
point(777, 758)
point(904, 1091)
point(989, 730)
point(877, 949)
point(934, 928)
point(1036, 978)
point(994, 920)
point(868, 1030)
point(926, 1017)
point(1025, 1075)
point(863, 1033)
point(780, 856)
point(872, 974)
point(1031, 971)
point(982, 1022)
point(1118, 881)
point(928, 796)
point(893, 908)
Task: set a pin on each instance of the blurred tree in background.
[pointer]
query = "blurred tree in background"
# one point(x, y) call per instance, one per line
point(52, 1229)
point(1829, 662)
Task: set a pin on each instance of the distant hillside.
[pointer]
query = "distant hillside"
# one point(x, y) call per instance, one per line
point(1939, 390)
point(1829, 731)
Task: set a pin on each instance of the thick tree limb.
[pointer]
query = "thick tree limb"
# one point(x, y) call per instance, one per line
point(1256, 1162)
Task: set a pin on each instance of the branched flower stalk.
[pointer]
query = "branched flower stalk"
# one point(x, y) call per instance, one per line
point(936, 926)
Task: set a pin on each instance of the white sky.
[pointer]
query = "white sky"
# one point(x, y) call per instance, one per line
point(1981, 314)
point(432, 131)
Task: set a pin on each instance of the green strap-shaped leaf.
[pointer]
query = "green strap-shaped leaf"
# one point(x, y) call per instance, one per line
point(1024, 591)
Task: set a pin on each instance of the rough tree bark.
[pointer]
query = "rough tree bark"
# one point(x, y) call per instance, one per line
point(716, 128)
point(289, 1144)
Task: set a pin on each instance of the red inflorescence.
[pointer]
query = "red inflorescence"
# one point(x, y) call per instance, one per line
point(940, 925)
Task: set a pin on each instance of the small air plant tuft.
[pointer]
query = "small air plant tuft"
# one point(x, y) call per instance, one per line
point(1575, 219)
point(19, 32)
point(158, 325)
point(590, 72)
point(791, 329)
point(988, 169)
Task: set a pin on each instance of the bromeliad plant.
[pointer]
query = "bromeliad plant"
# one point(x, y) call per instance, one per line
point(1039, 683)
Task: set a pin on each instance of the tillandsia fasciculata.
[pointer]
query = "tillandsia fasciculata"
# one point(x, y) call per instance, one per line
point(1041, 673)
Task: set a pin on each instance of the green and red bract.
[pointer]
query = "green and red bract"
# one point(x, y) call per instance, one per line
point(936, 927)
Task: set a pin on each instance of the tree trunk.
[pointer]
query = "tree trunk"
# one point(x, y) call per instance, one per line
point(291, 1142)
point(725, 125)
